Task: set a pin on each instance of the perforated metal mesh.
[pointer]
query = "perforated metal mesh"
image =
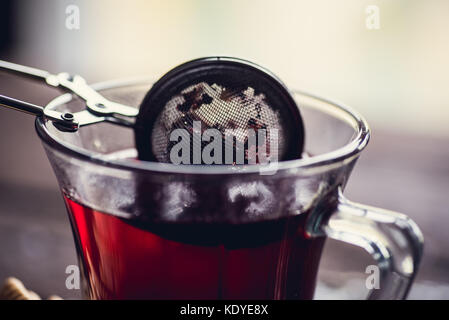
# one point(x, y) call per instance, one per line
point(231, 112)
point(218, 101)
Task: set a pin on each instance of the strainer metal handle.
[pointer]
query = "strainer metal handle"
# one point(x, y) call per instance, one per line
point(98, 108)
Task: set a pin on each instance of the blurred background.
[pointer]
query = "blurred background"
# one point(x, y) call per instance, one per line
point(395, 73)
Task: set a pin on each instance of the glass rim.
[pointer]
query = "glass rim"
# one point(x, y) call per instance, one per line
point(319, 162)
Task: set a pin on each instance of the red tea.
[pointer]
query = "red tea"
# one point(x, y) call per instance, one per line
point(130, 259)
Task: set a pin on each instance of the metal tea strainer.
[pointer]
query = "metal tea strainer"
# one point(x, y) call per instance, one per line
point(224, 94)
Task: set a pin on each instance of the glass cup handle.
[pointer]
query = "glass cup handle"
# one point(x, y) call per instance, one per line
point(394, 241)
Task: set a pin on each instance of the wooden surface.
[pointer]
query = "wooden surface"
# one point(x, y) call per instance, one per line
point(397, 172)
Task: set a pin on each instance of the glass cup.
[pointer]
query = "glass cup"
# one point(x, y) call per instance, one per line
point(148, 230)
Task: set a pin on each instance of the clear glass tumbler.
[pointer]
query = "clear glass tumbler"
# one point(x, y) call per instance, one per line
point(148, 230)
